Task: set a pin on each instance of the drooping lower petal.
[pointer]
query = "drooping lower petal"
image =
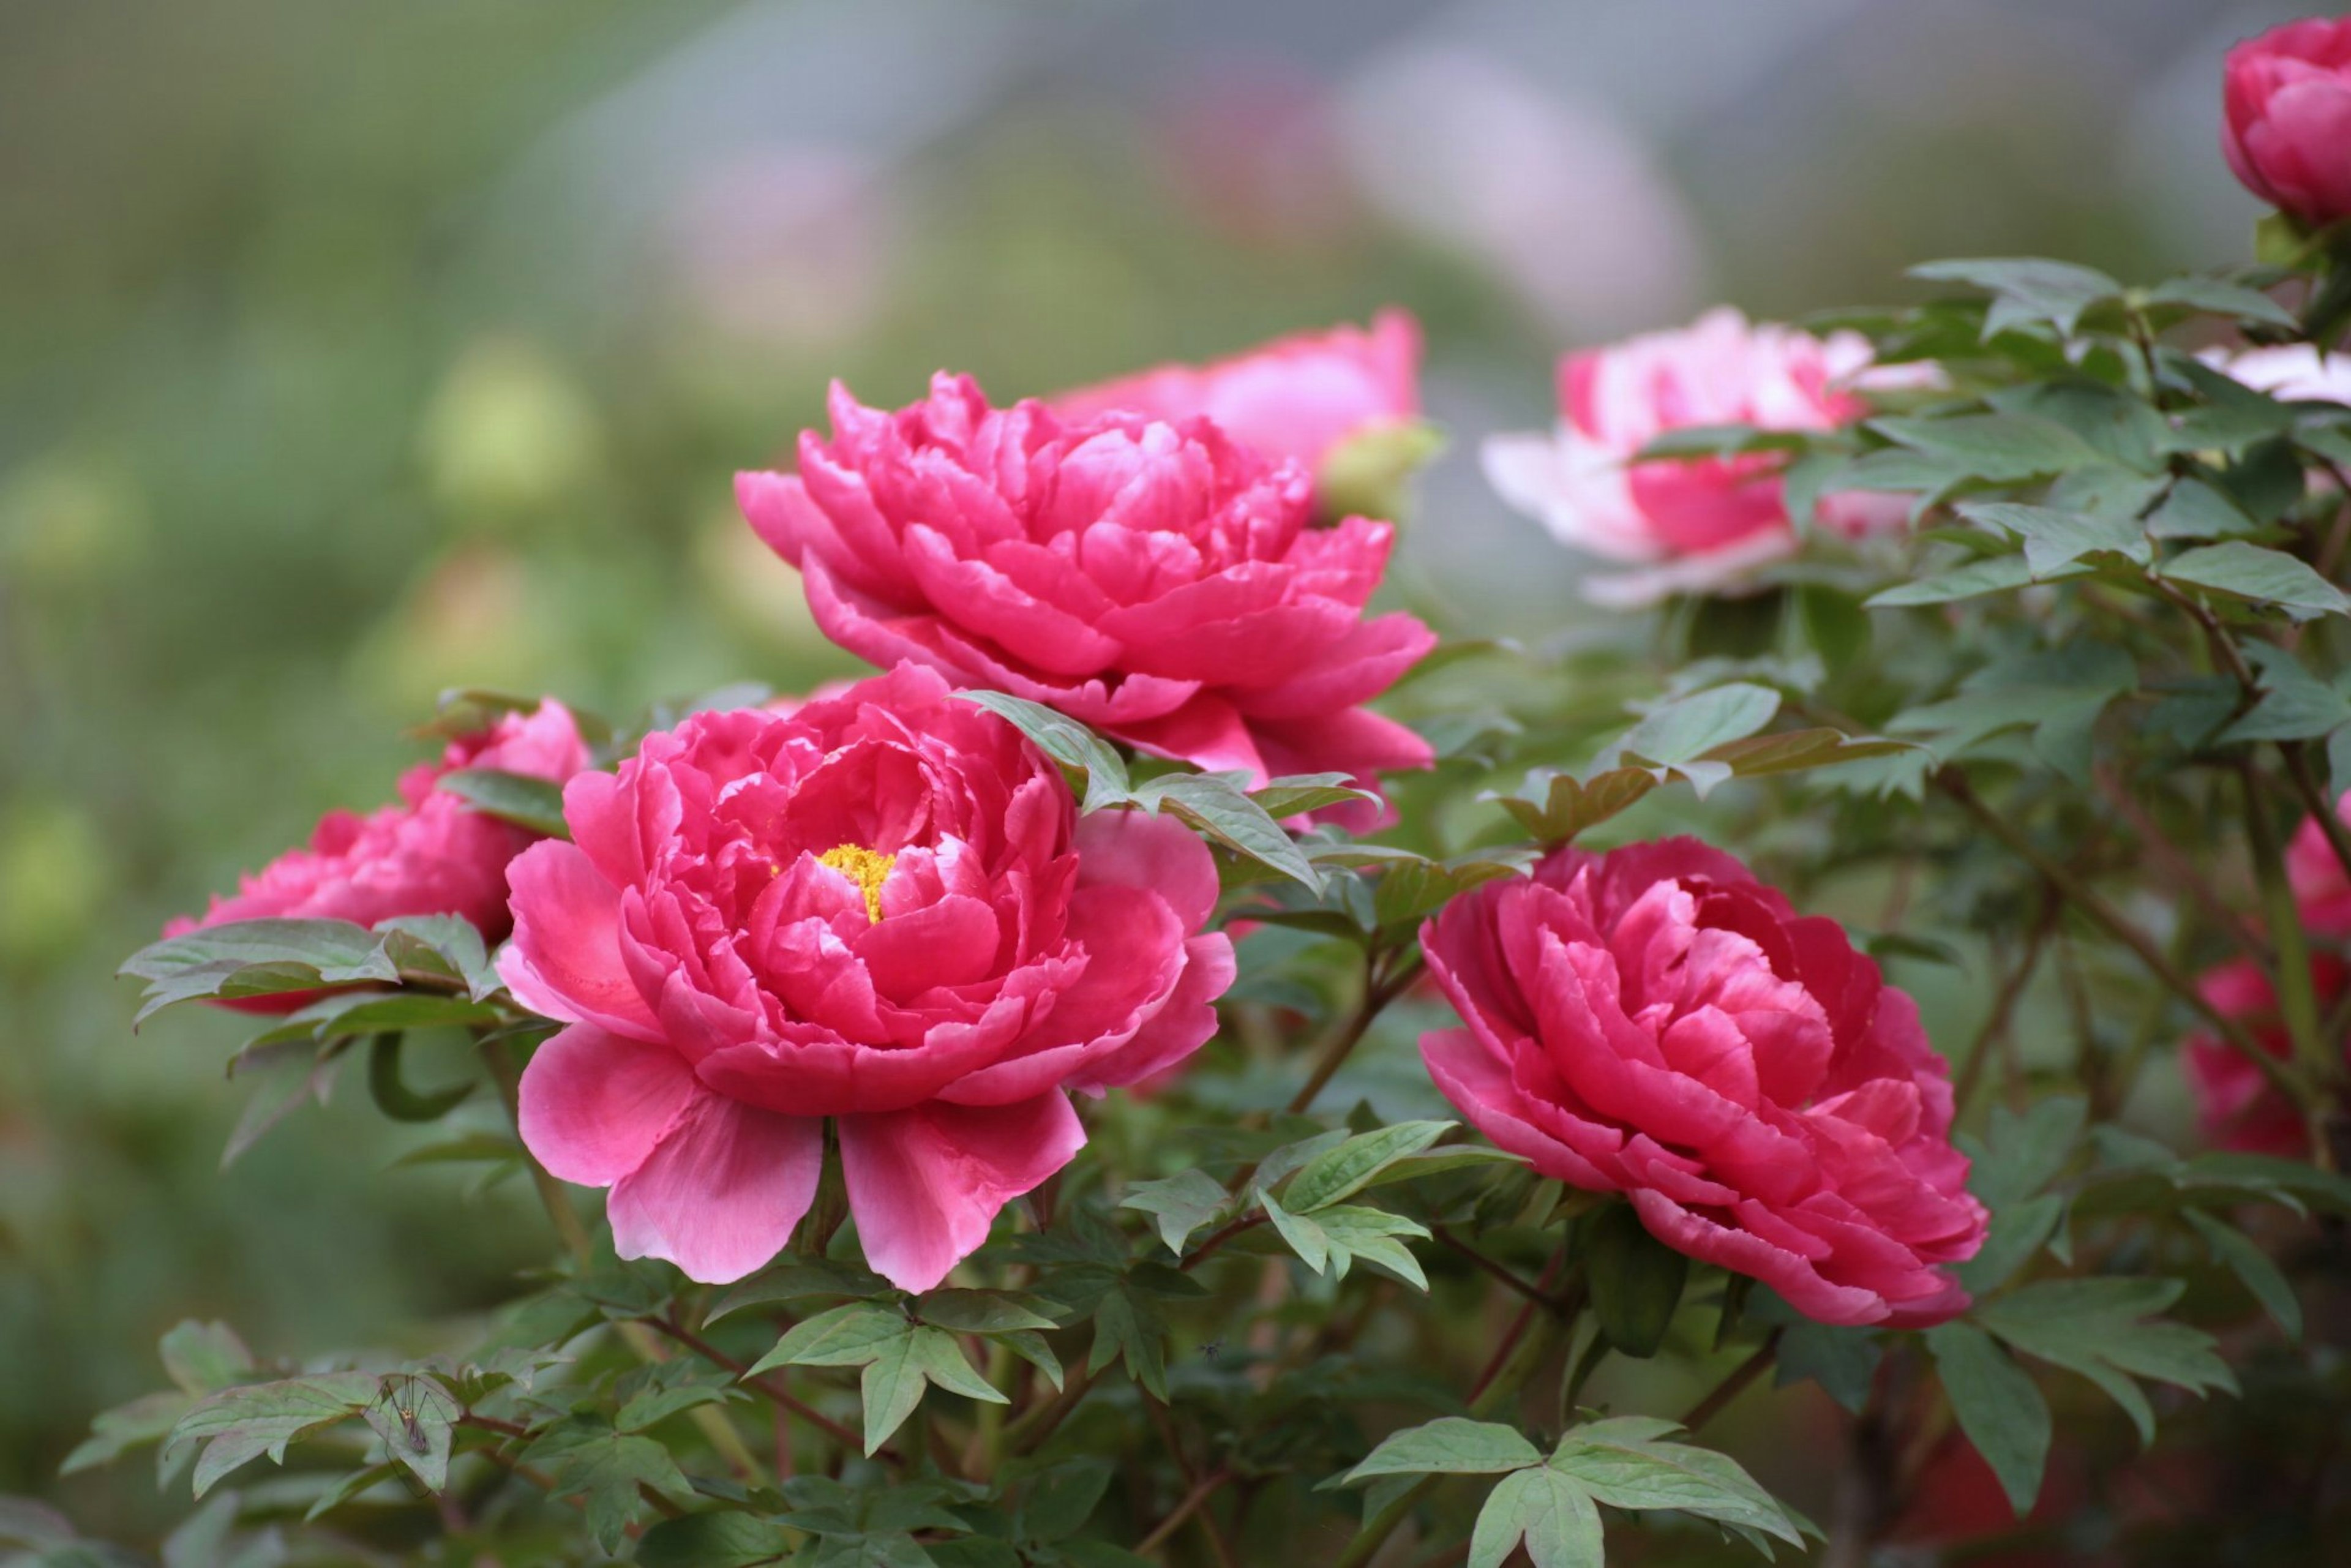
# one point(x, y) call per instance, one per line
point(924, 1185)
point(722, 1193)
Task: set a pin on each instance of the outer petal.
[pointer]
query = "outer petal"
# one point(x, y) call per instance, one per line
point(1186, 1023)
point(1137, 849)
point(565, 960)
point(1480, 1088)
point(594, 1105)
point(723, 1191)
point(926, 1184)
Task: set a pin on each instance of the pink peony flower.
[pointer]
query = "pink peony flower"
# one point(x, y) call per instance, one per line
point(431, 854)
point(2320, 887)
point(2235, 1104)
point(1656, 1022)
point(1296, 398)
point(1157, 581)
point(2293, 372)
point(2286, 130)
point(1695, 526)
point(882, 909)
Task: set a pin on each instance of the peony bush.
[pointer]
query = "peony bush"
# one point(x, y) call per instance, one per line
point(1186, 1062)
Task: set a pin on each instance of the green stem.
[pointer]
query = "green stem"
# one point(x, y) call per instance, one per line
point(1533, 1348)
point(2111, 920)
point(2297, 997)
point(497, 1053)
point(1380, 989)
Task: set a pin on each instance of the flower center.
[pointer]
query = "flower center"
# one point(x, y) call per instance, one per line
point(867, 868)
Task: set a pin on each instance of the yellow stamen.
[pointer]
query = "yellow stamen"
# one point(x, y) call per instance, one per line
point(863, 866)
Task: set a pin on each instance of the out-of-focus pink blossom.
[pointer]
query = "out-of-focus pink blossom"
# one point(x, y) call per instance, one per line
point(430, 854)
point(1296, 398)
point(2235, 1102)
point(1691, 526)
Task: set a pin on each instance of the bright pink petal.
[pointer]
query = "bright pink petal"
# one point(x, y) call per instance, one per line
point(1140, 850)
point(565, 960)
point(594, 1105)
point(722, 1193)
point(924, 1185)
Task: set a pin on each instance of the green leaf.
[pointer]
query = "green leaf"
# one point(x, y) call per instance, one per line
point(604, 1468)
point(1448, 1445)
point(2262, 576)
point(2022, 1154)
point(1682, 730)
point(1057, 1501)
point(1181, 1204)
point(797, 1279)
point(2195, 510)
point(1341, 1171)
point(257, 957)
point(1354, 1234)
point(416, 1418)
point(1626, 1464)
point(243, 1423)
point(2294, 704)
point(1636, 1280)
point(2095, 1327)
point(940, 1359)
point(1128, 1326)
point(522, 799)
point(980, 1311)
point(347, 1013)
point(1303, 792)
point(1440, 1160)
point(2004, 448)
point(1995, 574)
point(467, 1148)
point(204, 1357)
point(1842, 1361)
point(1997, 1407)
point(1305, 1236)
point(2060, 694)
point(2253, 1268)
point(1093, 767)
point(844, 1337)
point(2055, 539)
point(2218, 297)
point(1550, 1513)
point(2018, 1230)
point(1034, 1349)
point(713, 1541)
point(2027, 289)
point(149, 1418)
point(1213, 807)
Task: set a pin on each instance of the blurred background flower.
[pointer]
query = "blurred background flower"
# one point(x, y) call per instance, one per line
point(349, 352)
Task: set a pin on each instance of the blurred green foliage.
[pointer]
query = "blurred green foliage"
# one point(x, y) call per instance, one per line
point(292, 433)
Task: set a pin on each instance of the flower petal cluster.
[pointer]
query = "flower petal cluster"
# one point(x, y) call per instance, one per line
point(882, 909)
point(1655, 1022)
point(2286, 118)
point(1156, 581)
point(431, 853)
point(1693, 526)
point(1296, 398)
point(2236, 1105)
